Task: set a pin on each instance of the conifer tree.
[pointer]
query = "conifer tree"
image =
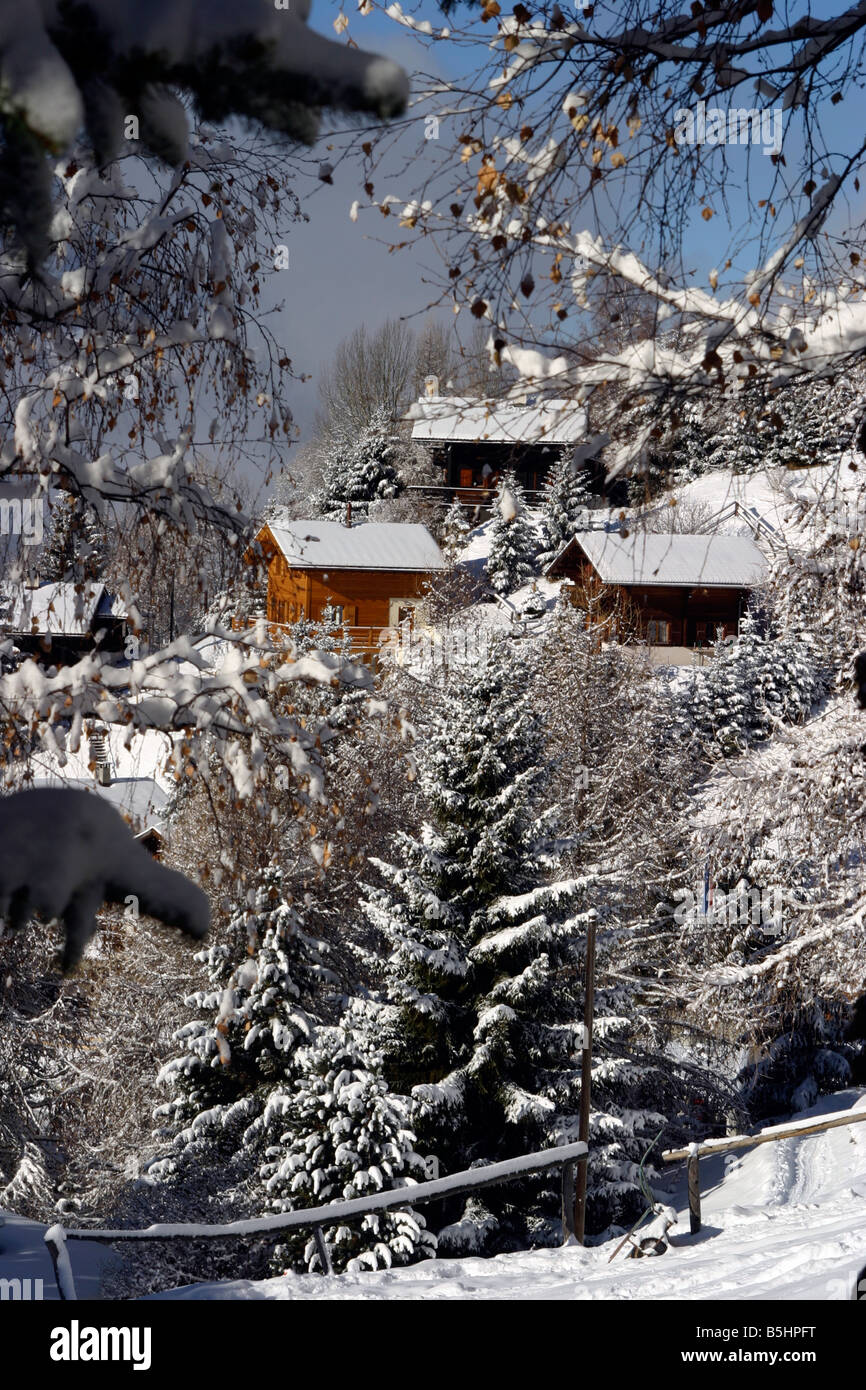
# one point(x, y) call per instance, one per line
point(455, 529)
point(339, 1134)
point(513, 541)
point(805, 426)
point(565, 506)
point(251, 1017)
point(764, 677)
point(739, 440)
point(689, 446)
point(481, 1023)
point(360, 471)
point(76, 545)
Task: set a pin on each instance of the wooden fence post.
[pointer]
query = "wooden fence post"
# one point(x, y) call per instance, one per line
point(55, 1239)
point(568, 1175)
point(694, 1171)
point(585, 1083)
point(324, 1252)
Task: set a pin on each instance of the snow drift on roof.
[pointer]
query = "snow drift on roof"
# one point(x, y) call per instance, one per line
point(56, 609)
point(649, 558)
point(382, 545)
point(450, 417)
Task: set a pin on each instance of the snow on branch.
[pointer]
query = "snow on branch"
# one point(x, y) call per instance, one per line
point(232, 710)
point(94, 66)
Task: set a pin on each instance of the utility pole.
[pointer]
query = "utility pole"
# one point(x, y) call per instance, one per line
point(575, 1174)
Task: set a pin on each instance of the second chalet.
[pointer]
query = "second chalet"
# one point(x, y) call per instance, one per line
point(678, 593)
point(367, 578)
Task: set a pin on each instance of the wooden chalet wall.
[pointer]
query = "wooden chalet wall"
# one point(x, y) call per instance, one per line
point(694, 615)
point(365, 596)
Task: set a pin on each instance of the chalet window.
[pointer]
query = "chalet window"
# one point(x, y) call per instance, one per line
point(658, 633)
point(337, 612)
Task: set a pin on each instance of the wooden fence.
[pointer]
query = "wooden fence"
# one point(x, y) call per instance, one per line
point(798, 1130)
point(317, 1218)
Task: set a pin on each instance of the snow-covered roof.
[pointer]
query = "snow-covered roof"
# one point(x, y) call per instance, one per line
point(682, 560)
point(453, 418)
point(140, 799)
point(56, 609)
point(373, 545)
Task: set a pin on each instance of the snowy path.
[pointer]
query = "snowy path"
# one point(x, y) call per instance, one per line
point(783, 1221)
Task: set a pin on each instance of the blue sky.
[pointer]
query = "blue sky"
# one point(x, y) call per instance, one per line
point(341, 275)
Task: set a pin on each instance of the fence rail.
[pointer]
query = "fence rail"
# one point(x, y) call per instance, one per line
point(800, 1129)
point(316, 1218)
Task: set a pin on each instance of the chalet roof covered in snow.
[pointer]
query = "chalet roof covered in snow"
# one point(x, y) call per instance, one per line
point(140, 800)
point(55, 609)
point(677, 560)
point(451, 418)
point(383, 545)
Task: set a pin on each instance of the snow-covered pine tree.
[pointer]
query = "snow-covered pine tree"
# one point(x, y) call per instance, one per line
point(565, 506)
point(677, 451)
point(481, 1023)
point(766, 676)
point(513, 540)
point(253, 1014)
point(738, 442)
point(455, 529)
point(76, 548)
point(339, 1133)
point(688, 445)
point(806, 425)
point(360, 471)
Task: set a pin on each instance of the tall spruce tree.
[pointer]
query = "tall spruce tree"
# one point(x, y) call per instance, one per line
point(481, 1024)
point(513, 541)
point(360, 471)
point(565, 506)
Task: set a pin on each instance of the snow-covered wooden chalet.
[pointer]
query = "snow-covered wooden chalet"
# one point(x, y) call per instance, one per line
point(59, 623)
point(673, 591)
point(472, 442)
point(366, 577)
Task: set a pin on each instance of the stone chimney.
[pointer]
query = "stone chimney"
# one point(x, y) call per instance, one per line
point(348, 513)
point(431, 387)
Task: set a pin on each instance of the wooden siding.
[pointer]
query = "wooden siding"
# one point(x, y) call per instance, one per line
point(365, 596)
point(694, 615)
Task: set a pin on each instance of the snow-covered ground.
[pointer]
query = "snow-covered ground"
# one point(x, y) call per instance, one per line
point(782, 1221)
